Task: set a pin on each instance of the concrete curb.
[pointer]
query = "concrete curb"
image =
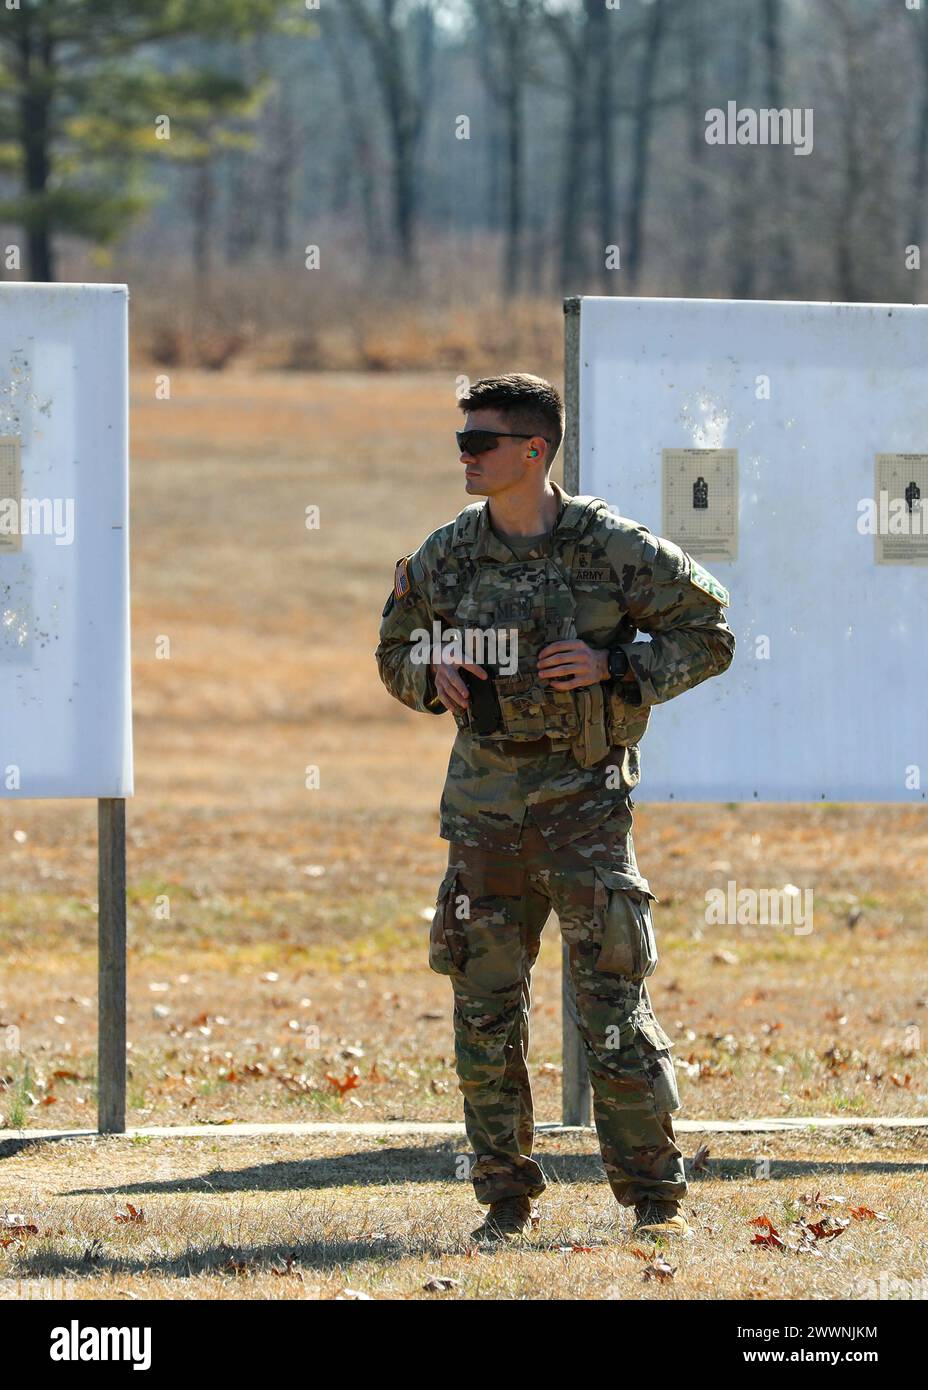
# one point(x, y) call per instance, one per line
point(385, 1129)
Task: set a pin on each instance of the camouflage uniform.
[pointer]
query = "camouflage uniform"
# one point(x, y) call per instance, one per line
point(538, 816)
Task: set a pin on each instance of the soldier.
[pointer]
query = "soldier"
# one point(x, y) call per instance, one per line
point(520, 617)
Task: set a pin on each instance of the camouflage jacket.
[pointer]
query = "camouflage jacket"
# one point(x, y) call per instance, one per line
point(618, 579)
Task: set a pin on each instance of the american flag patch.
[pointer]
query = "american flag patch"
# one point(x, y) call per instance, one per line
point(401, 584)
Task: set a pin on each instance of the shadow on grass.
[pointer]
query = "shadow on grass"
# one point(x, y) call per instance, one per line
point(445, 1162)
point(239, 1261)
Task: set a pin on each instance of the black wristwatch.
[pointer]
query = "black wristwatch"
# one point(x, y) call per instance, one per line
point(618, 664)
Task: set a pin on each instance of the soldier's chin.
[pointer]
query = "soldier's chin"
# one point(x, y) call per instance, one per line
point(476, 484)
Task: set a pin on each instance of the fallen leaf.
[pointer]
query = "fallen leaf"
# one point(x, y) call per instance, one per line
point(133, 1214)
point(351, 1080)
point(827, 1228)
point(771, 1240)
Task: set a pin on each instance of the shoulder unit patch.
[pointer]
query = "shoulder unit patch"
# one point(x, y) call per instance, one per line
point(709, 585)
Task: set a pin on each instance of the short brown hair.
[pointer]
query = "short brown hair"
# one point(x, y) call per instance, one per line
point(529, 403)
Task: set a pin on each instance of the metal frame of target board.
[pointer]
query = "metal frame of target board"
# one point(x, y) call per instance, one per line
point(64, 583)
point(760, 428)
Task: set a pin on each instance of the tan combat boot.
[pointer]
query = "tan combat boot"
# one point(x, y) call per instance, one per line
point(654, 1219)
point(506, 1220)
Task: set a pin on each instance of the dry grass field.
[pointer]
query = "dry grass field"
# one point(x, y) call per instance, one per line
point(278, 935)
point(360, 1217)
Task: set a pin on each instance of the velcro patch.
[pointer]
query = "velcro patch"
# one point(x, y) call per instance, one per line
point(590, 568)
point(515, 609)
point(709, 585)
point(402, 584)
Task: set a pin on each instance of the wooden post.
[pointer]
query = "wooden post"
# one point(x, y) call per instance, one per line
point(111, 936)
point(575, 1086)
point(575, 1093)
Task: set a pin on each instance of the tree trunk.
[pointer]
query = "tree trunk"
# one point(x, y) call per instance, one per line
point(920, 177)
point(203, 206)
point(781, 251)
point(852, 172)
point(696, 219)
point(281, 189)
point(513, 260)
point(601, 55)
point(385, 38)
point(246, 205)
point(573, 176)
point(360, 134)
point(37, 57)
point(643, 121)
point(502, 37)
point(743, 251)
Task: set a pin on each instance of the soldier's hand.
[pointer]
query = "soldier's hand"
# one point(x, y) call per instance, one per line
point(571, 664)
point(449, 687)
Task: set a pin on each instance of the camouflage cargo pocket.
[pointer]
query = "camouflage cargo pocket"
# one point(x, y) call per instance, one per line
point(622, 916)
point(653, 1047)
point(562, 715)
point(625, 723)
point(447, 939)
point(522, 716)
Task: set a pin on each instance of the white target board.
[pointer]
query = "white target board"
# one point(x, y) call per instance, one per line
point(65, 700)
point(785, 445)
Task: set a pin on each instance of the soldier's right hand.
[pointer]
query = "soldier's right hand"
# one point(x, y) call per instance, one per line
point(449, 686)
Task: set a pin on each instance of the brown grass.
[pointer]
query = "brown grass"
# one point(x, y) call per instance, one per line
point(354, 318)
point(235, 1218)
point(292, 911)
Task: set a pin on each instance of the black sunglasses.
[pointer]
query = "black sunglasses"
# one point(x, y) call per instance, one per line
point(482, 441)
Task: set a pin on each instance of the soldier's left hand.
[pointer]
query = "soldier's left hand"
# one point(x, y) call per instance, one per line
point(570, 664)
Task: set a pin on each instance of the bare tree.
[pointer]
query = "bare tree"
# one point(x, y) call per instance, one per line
point(845, 67)
point(605, 50)
point(743, 250)
point(361, 136)
point(504, 27)
point(573, 42)
point(697, 35)
point(643, 125)
point(782, 263)
point(920, 173)
point(401, 47)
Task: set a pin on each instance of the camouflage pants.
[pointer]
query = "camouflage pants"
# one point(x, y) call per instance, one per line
point(486, 935)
